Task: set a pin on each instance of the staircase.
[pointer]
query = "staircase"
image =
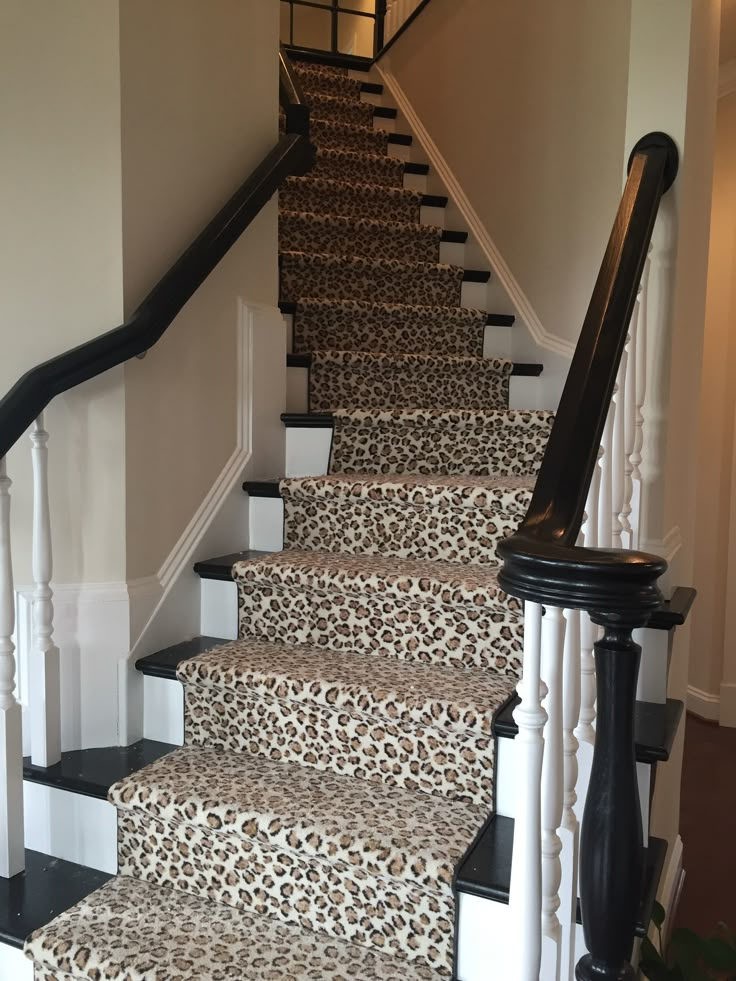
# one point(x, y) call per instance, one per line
point(340, 808)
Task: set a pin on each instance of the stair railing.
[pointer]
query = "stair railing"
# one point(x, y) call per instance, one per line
point(22, 409)
point(585, 587)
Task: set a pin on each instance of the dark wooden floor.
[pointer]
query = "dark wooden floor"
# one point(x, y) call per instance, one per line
point(708, 826)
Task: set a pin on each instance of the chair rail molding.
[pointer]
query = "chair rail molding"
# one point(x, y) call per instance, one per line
point(519, 300)
point(165, 604)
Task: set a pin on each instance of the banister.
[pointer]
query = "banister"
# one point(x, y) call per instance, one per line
point(540, 560)
point(293, 154)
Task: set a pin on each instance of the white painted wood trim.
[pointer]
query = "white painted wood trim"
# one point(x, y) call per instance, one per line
point(71, 826)
point(727, 79)
point(703, 703)
point(14, 965)
point(521, 303)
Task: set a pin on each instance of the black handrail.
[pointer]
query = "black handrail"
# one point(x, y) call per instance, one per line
point(619, 589)
point(293, 154)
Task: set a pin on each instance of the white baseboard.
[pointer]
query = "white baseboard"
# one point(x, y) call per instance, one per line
point(703, 703)
point(14, 965)
point(521, 304)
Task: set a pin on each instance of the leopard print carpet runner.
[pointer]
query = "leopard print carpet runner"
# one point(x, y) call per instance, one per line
point(339, 757)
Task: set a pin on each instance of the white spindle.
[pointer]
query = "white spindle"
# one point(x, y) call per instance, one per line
point(641, 392)
point(525, 899)
point(605, 462)
point(629, 426)
point(584, 731)
point(44, 662)
point(553, 636)
point(618, 407)
point(12, 853)
point(569, 831)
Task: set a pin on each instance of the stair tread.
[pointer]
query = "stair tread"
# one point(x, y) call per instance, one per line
point(371, 224)
point(419, 489)
point(361, 263)
point(395, 691)
point(400, 309)
point(450, 583)
point(387, 831)
point(148, 932)
point(357, 187)
point(452, 362)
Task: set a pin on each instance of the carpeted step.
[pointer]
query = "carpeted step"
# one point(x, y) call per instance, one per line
point(360, 380)
point(360, 325)
point(370, 239)
point(140, 931)
point(429, 612)
point(356, 859)
point(362, 168)
point(351, 200)
point(421, 727)
point(328, 135)
point(326, 80)
point(339, 110)
point(449, 519)
point(494, 443)
point(333, 277)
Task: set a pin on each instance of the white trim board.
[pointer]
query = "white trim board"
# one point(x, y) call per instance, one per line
point(703, 703)
point(501, 270)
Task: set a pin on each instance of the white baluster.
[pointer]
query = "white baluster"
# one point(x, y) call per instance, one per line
point(12, 852)
point(44, 662)
point(605, 536)
point(629, 426)
point(569, 831)
point(525, 899)
point(618, 455)
point(553, 636)
point(641, 392)
point(584, 731)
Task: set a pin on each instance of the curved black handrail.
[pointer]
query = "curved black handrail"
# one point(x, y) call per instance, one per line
point(541, 561)
point(293, 154)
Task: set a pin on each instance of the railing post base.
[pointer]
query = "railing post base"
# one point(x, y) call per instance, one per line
point(588, 971)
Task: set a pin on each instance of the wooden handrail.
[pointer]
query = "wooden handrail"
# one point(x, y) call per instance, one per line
point(293, 154)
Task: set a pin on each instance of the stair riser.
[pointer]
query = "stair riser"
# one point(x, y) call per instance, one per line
point(361, 387)
point(485, 451)
point(418, 758)
point(462, 636)
point(337, 899)
point(334, 280)
point(404, 532)
point(297, 234)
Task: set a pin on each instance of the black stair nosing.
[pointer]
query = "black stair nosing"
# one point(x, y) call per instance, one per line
point(371, 88)
point(329, 58)
point(263, 488)
point(220, 567)
point(492, 319)
point(449, 236)
point(91, 772)
point(521, 369)
point(485, 869)
point(674, 611)
point(385, 112)
point(416, 168)
point(476, 276)
point(434, 201)
point(47, 887)
point(308, 420)
point(655, 729)
point(400, 139)
point(163, 663)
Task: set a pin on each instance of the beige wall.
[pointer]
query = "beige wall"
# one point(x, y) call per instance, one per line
point(715, 489)
point(199, 110)
point(527, 103)
point(61, 264)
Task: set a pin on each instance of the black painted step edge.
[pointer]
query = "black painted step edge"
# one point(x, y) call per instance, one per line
point(400, 139)
point(656, 727)
point(163, 663)
point(336, 60)
point(220, 567)
point(521, 369)
point(485, 869)
point(492, 319)
point(388, 112)
point(373, 88)
point(674, 611)
point(434, 201)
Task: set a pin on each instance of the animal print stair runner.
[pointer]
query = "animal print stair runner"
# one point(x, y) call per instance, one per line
point(339, 758)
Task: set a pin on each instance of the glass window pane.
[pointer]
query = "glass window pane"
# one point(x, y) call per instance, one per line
point(313, 28)
point(369, 6)
point(355, 35)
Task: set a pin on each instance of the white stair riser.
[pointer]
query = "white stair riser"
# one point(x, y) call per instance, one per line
point(14, 965)
point(70, 826)
point(307, 452)
point(163, 710)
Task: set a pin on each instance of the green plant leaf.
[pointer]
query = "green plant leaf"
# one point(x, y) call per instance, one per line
point(719, 955)
point(658, 914)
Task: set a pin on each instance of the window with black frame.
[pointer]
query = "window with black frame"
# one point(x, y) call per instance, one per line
point(341, 26)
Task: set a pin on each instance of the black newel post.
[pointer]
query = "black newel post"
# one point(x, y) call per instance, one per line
point(611, 846)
